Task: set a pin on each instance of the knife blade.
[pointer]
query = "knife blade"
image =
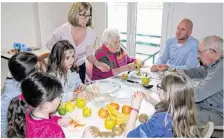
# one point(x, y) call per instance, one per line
point(132, 81)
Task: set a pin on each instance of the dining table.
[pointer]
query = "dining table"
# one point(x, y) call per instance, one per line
point(122, 97)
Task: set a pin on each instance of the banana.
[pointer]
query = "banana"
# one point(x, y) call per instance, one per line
point(118, 116)
point(121, 120)
point(138, 67)
point(115, 112)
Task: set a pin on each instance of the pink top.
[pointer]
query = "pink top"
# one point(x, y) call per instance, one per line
point(46, 128)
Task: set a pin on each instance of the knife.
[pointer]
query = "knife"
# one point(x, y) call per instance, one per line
point(132, 81)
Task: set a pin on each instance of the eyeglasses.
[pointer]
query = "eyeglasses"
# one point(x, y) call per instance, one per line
point(159, 87)
point(85, 16)
point(200, 52)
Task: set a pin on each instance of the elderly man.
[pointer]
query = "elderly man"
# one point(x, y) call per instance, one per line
point(209, 92)
point(180, 52)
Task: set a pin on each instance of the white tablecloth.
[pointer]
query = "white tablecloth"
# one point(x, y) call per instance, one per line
point(122, 97)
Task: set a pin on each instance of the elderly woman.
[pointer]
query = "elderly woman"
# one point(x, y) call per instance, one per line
point(113, 55)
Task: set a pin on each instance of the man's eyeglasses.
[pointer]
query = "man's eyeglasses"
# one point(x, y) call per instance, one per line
point(200, 52)
point(85, 16)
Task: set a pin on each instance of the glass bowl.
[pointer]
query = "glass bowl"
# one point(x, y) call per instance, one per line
point(101, 92)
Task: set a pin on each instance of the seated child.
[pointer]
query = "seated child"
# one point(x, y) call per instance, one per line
point(175, 114)
point(43, 93)
point(61, 63)
point(20, 66)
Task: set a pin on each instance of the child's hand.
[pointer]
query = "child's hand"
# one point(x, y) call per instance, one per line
point(88, 133)
point(64, 121)
point(136, 100)
point(81, 87)
point(149, 99)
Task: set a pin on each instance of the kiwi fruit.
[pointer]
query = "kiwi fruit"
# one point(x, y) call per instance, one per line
point(105, 134)
point(143, 118)
point(122, 126)
point(110, 134)
point(117, 131)
point(96, 131)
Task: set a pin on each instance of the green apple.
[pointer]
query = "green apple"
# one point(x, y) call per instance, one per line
point(109, 123)
point(80, 102)
point(86, 112)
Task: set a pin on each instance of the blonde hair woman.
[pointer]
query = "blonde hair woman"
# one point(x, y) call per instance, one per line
point(78, 32)
point(176, 112)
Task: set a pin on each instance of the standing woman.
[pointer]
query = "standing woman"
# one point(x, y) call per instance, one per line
point(78, 32)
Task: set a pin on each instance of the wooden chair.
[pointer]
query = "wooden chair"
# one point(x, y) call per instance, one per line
point(43, 61)
point(207, 130)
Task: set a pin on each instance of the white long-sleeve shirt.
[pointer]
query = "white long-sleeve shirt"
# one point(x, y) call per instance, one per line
point(83, 50)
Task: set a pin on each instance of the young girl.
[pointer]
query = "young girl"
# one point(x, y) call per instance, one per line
point(20, 66)
point(61, 63)
point(175, 115)
point(43, 93)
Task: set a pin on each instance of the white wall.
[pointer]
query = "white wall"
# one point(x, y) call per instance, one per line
point(51, 16)
point(17, 24)
point(100, 18)
point(206, 17)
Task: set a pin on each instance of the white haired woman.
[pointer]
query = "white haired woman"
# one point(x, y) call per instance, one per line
point(113, 55)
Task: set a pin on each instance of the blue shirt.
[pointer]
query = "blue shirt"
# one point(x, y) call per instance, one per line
point(156, 127)
point(10, 90)
point(183, 57)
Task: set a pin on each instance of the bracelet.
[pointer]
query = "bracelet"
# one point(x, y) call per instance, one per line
point(135, 109)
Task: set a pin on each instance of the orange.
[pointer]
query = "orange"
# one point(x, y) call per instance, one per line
point(103, 113)
point(126, 109)
point(115, 105)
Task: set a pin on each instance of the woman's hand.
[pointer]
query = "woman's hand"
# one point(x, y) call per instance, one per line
point(102, 66)
point(136, 100)
point(141, 63)
point(131, 66)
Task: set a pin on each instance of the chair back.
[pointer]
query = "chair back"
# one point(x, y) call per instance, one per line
point(43, 58)
point(207, 130)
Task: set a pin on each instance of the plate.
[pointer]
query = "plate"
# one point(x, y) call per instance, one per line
point(134, 74)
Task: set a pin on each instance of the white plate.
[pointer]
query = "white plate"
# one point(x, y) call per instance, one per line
point(134, 74)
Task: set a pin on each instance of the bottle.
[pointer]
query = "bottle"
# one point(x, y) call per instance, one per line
point(16, 47)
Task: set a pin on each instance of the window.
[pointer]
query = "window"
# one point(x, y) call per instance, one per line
point(144, 20)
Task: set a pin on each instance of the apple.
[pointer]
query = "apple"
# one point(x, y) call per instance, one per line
point(86, 112)
point(109, 123)
point(124, 76)
point(80, 102)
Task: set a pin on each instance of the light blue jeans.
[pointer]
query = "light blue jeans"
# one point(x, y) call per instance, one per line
point(10, 90)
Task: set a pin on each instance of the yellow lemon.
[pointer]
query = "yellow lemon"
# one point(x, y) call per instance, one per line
point(69, 106)
point(145, 80)
point(86, 112)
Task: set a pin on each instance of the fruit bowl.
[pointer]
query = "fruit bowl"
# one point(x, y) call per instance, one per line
point(100, 92)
